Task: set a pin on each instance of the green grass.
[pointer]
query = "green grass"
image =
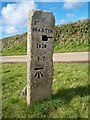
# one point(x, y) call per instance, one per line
point(70, 47)
point(20, 49)
point(69, 99)
point(14, 48)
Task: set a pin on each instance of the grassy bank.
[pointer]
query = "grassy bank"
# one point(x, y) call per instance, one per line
point(21, 48)
point(70, 47)
point(71, 37)
point(69, 99)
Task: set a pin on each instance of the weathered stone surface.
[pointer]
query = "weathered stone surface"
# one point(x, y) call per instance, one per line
point(40, 53)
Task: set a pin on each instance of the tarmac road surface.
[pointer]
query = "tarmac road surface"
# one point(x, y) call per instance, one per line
point(57, 57)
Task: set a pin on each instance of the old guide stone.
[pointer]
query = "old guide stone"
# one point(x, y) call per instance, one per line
point(40, 53)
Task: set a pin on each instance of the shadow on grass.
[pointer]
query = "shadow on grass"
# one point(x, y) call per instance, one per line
point(68, 94)
point(46, 108)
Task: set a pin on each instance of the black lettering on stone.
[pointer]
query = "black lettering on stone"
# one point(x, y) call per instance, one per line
point(35, 29)
point(36, 22)
point(46, 30)
point(43, 45)
point(42, 29)
point(51, 31)
point(38, 58)
point(43, 58)
point(39, 45)
point(39, 30)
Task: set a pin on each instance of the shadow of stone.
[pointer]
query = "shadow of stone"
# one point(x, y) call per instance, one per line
point(68, 94)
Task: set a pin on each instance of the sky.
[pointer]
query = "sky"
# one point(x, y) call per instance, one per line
point(14, 15)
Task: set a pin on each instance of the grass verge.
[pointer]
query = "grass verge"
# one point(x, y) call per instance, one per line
point(69, 99)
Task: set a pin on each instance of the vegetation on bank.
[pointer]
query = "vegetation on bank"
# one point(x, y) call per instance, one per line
point(69, 37)
point(15, 45)
point(69, 99)
point(72, 37)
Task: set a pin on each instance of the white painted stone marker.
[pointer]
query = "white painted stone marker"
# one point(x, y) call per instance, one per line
point(40, 53)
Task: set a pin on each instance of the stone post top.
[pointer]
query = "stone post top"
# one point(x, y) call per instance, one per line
point(42, 14)
point(38, 10)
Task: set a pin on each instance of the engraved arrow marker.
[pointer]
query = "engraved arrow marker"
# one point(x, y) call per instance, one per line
point(38, 74)
point(45, 37)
